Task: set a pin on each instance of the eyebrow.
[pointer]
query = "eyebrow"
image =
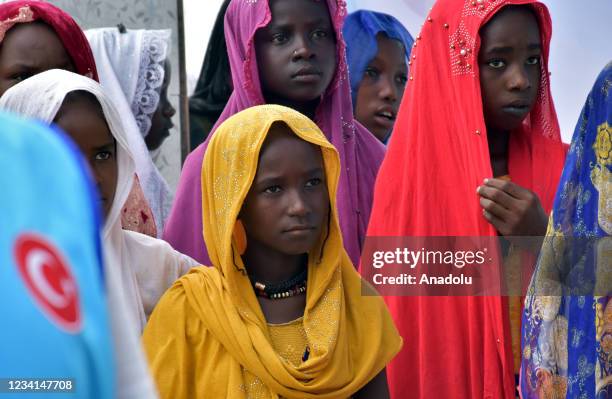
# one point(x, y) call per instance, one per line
point(110, 145)
point(285, 25)
point(275, 179)
point(509, 49)
point(21, 65)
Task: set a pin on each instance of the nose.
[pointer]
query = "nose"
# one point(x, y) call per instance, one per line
point(169, 111)
point(98, 178)
point(303, 50)
point(297, 205)
point(387, 90)
point(519, 79)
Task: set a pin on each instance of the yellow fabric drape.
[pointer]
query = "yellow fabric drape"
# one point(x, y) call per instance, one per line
point(208, 338)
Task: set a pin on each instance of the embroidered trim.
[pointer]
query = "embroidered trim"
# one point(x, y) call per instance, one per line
point(150, 79)
point(25, 15)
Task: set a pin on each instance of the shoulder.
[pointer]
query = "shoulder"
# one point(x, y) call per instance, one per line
point(174, 313)
point(359, 292)
point(145, 245)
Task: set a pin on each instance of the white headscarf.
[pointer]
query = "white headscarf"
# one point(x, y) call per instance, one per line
point(131, 70)
point(138, 268)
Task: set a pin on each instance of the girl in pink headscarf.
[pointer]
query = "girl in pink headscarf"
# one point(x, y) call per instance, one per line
point(289, 53)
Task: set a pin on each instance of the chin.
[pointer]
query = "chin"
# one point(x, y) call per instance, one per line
point(380, 135)
point(297, 248)
point(305, 97)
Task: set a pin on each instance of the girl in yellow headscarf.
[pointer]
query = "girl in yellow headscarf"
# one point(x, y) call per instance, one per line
point(282, 313)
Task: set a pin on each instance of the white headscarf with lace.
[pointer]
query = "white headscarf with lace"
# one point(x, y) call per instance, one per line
point(40, 97)
point(138, 268)
point(131, 70)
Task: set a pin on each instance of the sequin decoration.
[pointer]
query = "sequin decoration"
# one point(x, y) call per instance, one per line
point(25, 15)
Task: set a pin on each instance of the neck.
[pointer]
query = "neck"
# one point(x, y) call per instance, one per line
point(307, 108)
point(272, 267)
point(498, 151)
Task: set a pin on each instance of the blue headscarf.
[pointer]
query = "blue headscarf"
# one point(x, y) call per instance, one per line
point(52, 302)
point(360, 30)
point(567, 338)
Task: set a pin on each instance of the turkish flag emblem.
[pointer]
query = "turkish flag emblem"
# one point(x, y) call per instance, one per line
point(49, 279)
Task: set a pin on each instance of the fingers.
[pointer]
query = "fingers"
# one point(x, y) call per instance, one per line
point(495, 209)
point(499, 224)
point(512, 189)
point(497, 195)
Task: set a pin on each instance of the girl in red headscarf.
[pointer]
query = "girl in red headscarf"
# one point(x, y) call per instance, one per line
point(478, 107)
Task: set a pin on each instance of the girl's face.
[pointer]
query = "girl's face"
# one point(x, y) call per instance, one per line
point(81, 117)
point(296, 52)
point(509, 63)
point(288, 203)
point(382, 87)
point(29, 49)
point(161, 121)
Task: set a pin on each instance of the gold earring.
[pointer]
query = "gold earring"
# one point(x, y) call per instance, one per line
point(240, 237)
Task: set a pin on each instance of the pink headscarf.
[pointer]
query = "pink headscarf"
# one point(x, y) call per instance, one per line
point(360, 152)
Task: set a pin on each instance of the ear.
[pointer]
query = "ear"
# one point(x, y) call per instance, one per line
point(240, 237)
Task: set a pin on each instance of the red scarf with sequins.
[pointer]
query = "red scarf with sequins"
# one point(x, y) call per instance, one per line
point(67, 30)
point(456, 347)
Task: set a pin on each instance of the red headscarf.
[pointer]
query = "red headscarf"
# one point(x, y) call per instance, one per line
point(456, 347)
point(70, 34)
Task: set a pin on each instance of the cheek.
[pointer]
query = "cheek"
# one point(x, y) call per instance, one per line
point(5, 84)
point(321, 204)
point(487, 88)
point(329, 57)
point(107, 175)
point(535, 78)
point(400, 92)
point(269, 62)
point(364, 93)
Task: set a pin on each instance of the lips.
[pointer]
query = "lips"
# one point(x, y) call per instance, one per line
point(385, 117)
point(300, 229)
point(517, 108)
point(307, 74)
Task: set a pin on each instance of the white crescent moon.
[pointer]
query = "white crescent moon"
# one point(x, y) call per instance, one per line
point(34, 264)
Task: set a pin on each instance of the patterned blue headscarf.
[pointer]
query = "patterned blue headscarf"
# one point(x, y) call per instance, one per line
point(360, 30)
point(567, 338)
point(52, 302)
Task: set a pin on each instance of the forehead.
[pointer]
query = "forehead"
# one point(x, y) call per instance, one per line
point(289, 12)
point(30, 40)
point(512, 23)
point(84, 120)
point(282, 147)
point(392, 48)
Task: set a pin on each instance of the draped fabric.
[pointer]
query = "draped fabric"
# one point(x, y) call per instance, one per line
point(214, 85)
point(65, 27)
point(131, 68)
point(360, 30)
point(360, 152)
point(137, 215)
point(567, 328)
point(139, 268)
point(208, 336)
point(457, 347)
point(60, 294)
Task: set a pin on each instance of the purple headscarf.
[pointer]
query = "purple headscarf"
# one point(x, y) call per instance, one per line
point(360, 152)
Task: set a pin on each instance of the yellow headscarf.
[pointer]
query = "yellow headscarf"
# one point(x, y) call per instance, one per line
point(208, 337)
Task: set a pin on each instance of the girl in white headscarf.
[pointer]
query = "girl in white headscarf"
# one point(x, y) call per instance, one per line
point(133, 70)
point(138, 268)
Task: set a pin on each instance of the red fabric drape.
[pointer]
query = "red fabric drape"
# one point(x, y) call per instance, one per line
point(456, 347)
point(69, 32)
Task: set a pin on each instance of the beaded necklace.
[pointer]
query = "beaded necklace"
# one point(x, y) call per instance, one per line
point(294, 286)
